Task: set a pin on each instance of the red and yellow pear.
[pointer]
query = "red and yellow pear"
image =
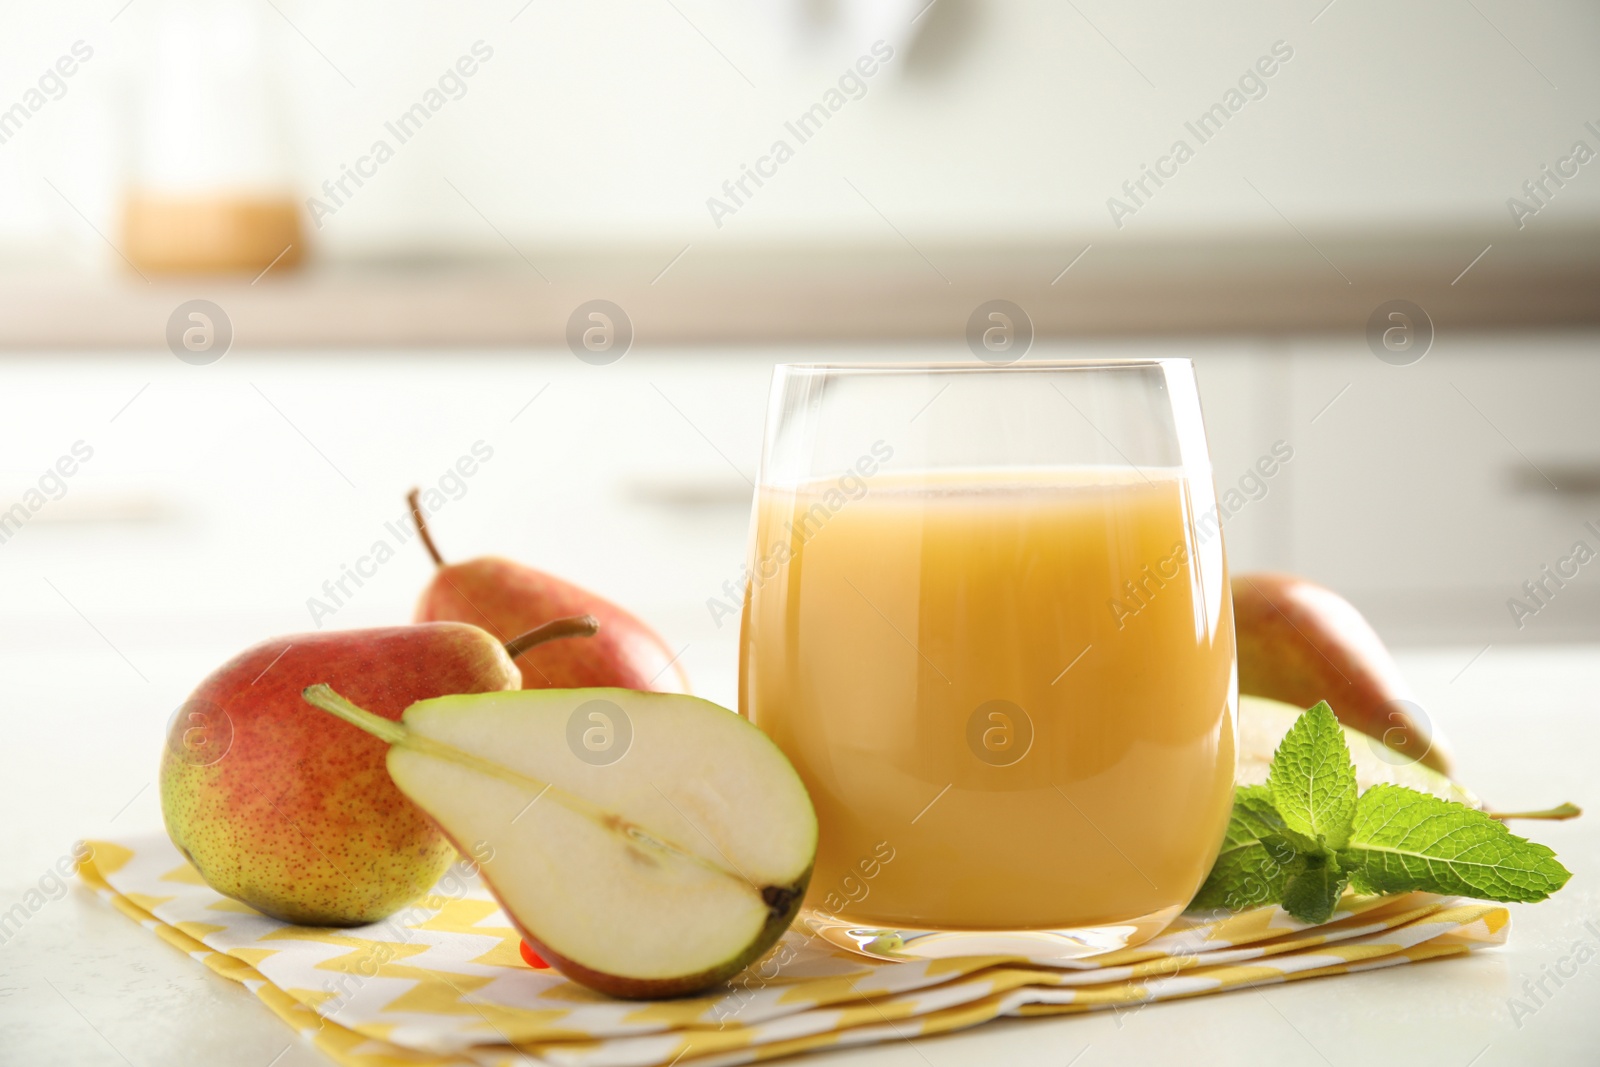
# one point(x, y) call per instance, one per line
point(292, 811)
point(507, 598)
point(1300, 642)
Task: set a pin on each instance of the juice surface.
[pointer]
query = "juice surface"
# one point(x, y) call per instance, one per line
point(1009, 693)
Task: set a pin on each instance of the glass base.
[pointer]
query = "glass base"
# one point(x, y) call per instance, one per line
point(1037, 946)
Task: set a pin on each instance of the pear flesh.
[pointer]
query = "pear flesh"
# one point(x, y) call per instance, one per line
point(1263, 724)
point(656, 868)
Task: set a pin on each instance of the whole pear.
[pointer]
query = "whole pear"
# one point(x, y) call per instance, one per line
point(507, 598)
point(1300, 642)
point(292, 811)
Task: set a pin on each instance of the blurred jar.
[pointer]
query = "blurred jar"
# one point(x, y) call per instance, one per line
point(209, 188)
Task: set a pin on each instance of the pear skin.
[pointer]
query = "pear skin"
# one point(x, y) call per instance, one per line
point(1300, 642)
point(292, 811)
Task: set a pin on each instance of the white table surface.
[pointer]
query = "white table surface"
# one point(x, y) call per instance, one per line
point(80, 984)
point(220, 497)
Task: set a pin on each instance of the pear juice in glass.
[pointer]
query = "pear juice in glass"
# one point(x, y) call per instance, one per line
point(987, 618)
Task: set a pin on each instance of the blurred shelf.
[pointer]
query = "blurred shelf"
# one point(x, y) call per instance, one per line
point(1118, 286)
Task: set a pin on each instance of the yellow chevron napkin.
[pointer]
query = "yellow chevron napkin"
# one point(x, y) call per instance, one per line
point(442, 982)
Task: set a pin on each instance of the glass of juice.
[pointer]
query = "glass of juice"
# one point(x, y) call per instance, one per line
point(987, 618)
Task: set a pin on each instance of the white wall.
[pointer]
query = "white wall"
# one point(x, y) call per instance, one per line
point(1007, 119)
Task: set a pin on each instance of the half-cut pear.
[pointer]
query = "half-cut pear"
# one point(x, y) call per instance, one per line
point(647, 844)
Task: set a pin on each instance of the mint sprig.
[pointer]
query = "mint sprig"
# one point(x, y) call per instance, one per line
point(1302, 838)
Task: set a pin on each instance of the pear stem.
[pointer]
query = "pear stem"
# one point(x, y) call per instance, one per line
point(555, 629)
point(398, 734)
point(323, 696)
point(414, 499)
point(1555, 814)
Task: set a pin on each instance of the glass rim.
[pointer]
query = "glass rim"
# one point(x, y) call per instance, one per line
point(979, 366)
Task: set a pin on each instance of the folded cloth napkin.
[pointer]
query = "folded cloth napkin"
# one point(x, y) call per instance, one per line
point(442, 982)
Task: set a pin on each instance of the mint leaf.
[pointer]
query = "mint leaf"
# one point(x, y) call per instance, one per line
point(1312, 892)
point(1403, 840)
point(1312, 780)
point(1255, 859)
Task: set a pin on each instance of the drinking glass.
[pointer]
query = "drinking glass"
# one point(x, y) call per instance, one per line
point(988, 620)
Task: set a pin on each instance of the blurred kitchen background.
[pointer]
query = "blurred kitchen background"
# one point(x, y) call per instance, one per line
point(395, 217)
